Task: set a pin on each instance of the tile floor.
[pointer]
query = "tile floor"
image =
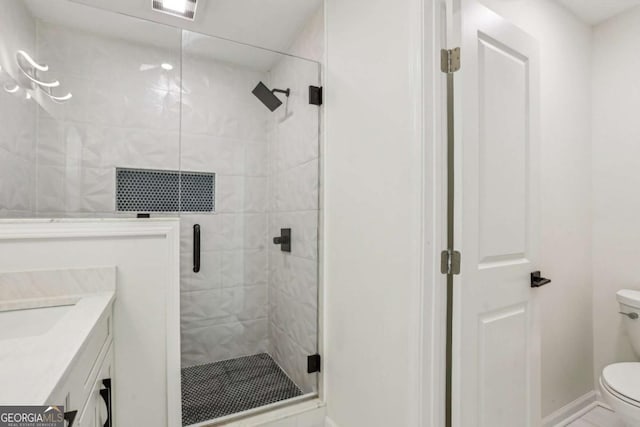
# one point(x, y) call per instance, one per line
point(598, 417)
point(223, 388)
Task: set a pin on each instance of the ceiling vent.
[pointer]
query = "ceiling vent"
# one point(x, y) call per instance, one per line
point(181, 8)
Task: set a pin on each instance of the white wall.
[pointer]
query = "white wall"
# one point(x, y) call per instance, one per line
point(373, 224)
point(565, 46)
point(616, 200)
point(18, 130)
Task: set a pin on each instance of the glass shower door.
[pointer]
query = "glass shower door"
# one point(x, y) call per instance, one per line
point(250, 312)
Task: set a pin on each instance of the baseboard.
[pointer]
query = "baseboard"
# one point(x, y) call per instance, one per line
point(560, 418)
point(328, 422)
point(601, 401)
point(572, 411)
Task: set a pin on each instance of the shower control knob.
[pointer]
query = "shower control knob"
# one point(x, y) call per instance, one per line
point(284, 240)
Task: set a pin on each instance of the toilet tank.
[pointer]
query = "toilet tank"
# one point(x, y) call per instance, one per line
point(629, 301)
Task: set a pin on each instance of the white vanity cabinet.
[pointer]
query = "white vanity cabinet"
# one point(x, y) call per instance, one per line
point(86, 386)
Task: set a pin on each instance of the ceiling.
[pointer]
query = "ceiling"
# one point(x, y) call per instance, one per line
point(597, 11)
point(269, 24)
point(272, 24)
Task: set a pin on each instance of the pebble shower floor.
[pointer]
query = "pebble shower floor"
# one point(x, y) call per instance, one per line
point(231, 386)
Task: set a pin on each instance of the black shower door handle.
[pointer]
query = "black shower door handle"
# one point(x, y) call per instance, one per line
point(196, 248)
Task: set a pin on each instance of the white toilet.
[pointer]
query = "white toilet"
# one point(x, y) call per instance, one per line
point(620, 382)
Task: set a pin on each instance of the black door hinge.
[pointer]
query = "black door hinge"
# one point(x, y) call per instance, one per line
point(313, 363)
point(315, 95)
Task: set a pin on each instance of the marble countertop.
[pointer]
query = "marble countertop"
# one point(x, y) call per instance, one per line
point(46, 318)
point(31, 367)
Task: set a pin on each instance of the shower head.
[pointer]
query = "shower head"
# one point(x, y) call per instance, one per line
point(267, 97)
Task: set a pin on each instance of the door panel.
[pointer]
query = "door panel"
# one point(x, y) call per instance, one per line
point(496, 362)
point(501, 373)
point(503, 100)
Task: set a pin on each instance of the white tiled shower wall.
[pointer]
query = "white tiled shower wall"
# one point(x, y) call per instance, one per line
point(17, 156)
point(224, 306)
point(17, 133)
point(125, 112)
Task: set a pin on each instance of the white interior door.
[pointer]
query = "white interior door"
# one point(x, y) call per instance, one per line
point(496, 366)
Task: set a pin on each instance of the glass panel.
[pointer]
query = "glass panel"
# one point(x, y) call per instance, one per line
point(250, 315)
point(124, 110)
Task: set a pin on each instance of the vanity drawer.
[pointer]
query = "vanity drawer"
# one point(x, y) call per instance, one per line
point(76, 388)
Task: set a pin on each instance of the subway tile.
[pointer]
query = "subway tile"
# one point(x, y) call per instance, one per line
point(255, 194)
point(250, 302)
point(210, 344)
point(230, 193)
point(232, 268)
point(297, 188)
point(205, 308)
point(255, 229)
point(208, 153)
point(255, 267)
point(256, 158)
point(231, 232)
point(210, 275)
point(98, 190)
point(51, 189)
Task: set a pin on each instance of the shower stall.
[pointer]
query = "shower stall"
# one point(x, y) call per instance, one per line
point(162, 121)
point(249, 309)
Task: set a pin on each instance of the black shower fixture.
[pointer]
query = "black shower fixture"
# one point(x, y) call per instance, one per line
point(267, 96)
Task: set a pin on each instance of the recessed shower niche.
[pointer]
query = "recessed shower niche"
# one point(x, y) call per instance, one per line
point(166, 122)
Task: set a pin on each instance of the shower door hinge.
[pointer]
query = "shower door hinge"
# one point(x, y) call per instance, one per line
point(313, 363)
point(450, 262)
point(315, 95)
point(450, 60)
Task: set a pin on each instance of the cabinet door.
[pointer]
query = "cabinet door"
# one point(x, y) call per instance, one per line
point(102, 406)
point(95, 412)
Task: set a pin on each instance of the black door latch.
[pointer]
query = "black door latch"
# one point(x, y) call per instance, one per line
point(537, 280)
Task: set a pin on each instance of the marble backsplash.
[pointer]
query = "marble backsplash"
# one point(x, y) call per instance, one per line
point(47, 284)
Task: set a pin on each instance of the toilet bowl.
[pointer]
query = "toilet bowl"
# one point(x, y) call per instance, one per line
point(620, 382)
point(620, 388)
